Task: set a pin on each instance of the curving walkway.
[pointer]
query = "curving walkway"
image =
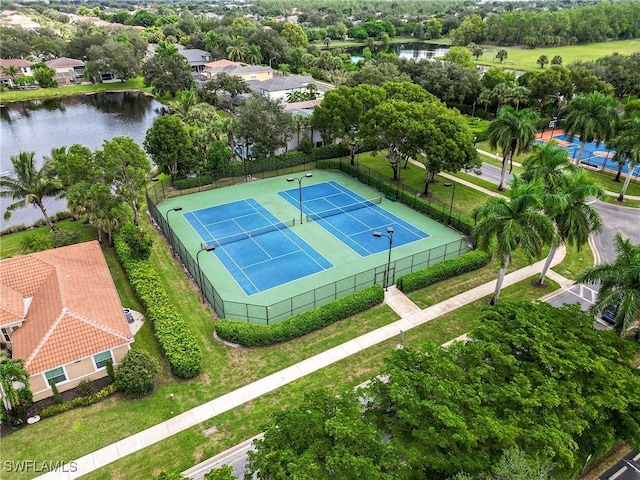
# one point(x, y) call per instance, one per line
point(411, 315)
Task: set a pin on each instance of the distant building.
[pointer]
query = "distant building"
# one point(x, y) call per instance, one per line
point(278, 87)
point(246, 72)
point(197, 58)
point(22, 67)
point(68, 70)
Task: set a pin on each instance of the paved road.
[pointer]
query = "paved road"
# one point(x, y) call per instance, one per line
point(491, 173)
point(625, 220)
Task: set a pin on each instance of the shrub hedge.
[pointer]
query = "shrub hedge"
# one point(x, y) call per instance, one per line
point(251, 335)
point(78, 402)
point(266, 164)
point(176, 340)
point(443, 270)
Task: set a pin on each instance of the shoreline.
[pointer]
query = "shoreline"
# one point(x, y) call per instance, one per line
point(8, 97)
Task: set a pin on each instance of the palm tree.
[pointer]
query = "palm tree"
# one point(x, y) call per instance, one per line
point(502, 55)
point(254, 55)
point(238, 50)
point(185, 100)
point(626, 142)
point(513, 132)
point(327, 42)
point(575, 219)
point(556, 60)
point(12, 71)
point(519, 95)
point(13, 377)
point(591, 117)
point(547, 163)
point(312, 90)
point(519, 221)
point(30, 185)
point(542, 60)
point(166, 49)
point(619, 284)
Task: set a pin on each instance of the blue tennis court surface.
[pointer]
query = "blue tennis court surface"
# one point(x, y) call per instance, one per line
point(256, 248)
point(352, 218)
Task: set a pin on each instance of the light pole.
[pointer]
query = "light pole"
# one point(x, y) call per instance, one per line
point(166, 216)
point(291, 179)
point(205, 248)
point(453, 192)
point(390, 237)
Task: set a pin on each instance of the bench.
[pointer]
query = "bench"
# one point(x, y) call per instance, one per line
point(392, 196)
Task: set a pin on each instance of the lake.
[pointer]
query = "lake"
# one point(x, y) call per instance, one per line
point(39, 126)
point(410, 51)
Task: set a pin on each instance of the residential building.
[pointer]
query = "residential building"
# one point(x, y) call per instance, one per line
point(278, 87)
point(22, 67)
point(60, 312)
point(197, 58)
point(68, 70)
point(247, 72)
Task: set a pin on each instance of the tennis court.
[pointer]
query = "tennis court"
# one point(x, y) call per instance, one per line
point(257, 249)
point(352, 218)
point(265, 268)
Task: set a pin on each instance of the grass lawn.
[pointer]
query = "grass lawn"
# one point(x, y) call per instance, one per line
point(414, 177)
point(192, 446)
point(42, 93)
point(525, 58)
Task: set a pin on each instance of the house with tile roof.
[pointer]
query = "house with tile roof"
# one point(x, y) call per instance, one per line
point(68, 70)
point(246, 72)
point(22, 67)
point(197, 58)
point(60, 312)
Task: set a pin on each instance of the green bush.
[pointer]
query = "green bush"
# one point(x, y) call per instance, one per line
point(79, 402)
point(185, 183)
point(176, 340)
point(62, 237)
point(262, 335)
point(56, 393)
point(136, 374)
point(137, 240)
point(110, 371)
point(35, 242)
point(443, 270)
point(85, 388)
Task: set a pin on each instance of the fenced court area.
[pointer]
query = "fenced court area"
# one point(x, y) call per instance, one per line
point(595, 154)
point(351, 218)
point(266, 267)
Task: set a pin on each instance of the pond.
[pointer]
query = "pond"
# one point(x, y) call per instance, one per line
point(39, 126)
point(410, 51)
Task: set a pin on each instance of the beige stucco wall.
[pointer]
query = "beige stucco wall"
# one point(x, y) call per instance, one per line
point(258, 76)
point(76, 372)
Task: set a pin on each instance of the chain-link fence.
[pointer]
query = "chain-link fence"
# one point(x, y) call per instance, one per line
point(279, 311)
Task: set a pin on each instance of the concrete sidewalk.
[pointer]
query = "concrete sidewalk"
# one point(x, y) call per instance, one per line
point(411, 317)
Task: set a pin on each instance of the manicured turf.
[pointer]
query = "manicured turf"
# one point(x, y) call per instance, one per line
point(521, 58)
point(21, 95)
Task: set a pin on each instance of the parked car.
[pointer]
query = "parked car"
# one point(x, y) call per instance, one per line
point(608, 315)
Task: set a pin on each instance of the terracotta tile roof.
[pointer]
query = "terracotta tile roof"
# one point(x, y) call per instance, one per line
point(11, 305)
point(222, 63)
point(75, 310)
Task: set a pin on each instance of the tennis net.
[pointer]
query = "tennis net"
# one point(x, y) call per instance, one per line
point(344, 209)
point(217, 242)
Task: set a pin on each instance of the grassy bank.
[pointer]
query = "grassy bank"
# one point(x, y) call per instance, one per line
point(521, 58)
point(45, 93)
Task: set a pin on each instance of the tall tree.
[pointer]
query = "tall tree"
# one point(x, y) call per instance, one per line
point(127, 168)
point(591, 117)
point(167, 74)
point(513, 132)
point(626, 142)
point(517, 222)
point(167, 142)
point(502, 55)
point(237, 50)
point(567, 192)
point(29, 185)
point(619, 284)
point(262, 123)
point(78, 168)
point(326, 437)
point(542, 60)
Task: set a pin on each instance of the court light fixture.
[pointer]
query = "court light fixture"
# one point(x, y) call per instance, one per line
point(291, 179)
point(204, 248)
